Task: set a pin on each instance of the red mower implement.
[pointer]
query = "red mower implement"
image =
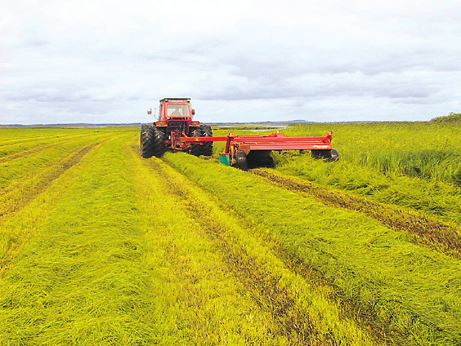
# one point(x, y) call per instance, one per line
point(176, 130)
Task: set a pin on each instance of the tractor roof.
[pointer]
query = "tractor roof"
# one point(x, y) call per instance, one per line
point(181, 99)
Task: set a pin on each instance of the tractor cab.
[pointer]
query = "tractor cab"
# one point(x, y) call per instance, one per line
point(178, 109)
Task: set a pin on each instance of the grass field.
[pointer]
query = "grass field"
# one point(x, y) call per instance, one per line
point(101, 247)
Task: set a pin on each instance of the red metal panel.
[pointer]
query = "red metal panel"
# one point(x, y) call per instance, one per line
point(288, 146)
point(203, 139)
point(275, 141)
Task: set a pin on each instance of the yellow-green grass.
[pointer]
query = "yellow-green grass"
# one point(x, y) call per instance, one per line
point(30, 135)
point(27, 222)
point(25, 145)
point(124, 251)
point(21, 193)
point(421, 149)
point(80, 279)
point(24, 176)
point(414, 165)
point(294, 310)
point(23, 167)
point(409, 291)
point(445, 237)
point(436, 198)
point(115, 249)
point(203, 303)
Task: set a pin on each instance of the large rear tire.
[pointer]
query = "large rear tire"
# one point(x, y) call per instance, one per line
point(196, 149)
point(158, 146)
point(147, 140)
point(207, 147)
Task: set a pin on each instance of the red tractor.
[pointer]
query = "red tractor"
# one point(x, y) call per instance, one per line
point(174, 123)
point(176, 130)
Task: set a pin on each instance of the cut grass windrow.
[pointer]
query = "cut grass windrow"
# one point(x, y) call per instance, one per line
point(202, 302)
point(119, 258)
point(29, 147)
point(409, 291)
point(294, 311)
point(15, 172)
point(430, 232)
point(429, 197)
point(79, 280)
point(19, 196)
point(24, 215)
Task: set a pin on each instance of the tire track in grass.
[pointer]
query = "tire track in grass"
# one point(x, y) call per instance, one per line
point(406, 291)
point(426, 231)
point(203, 303)
point(81, 280)
point(21, 195)
point(27, 215)
point(16, 172)
point(24, 153)
point(301, 311)
point(25, 150)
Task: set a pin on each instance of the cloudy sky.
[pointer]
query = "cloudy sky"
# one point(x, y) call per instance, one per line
point(102, 61)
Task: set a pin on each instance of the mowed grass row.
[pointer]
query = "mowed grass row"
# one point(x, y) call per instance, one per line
point(28, 137)
point(111, 253)
point(445, 237)
point(382, 161)
point(27, 222)
point(234, 289)
point(26, 176)
point(24, 167)
point(25, 145)
point(80, 278)
point(409, 292)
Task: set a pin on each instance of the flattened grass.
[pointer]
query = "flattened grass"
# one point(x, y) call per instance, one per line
point(414, 165)
point(409, 291)
point(199, 301)
point(284, 307)
point(429, 231)
point(80, 279)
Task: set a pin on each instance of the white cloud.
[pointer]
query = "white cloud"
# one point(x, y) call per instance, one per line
point(107, 61)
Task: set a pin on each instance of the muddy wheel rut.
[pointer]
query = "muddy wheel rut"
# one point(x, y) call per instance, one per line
point(263, 284)
point(248, 269)
point(424, 230)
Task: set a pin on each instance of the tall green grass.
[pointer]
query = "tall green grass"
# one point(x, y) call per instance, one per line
point(409, 291)
point(422, 149)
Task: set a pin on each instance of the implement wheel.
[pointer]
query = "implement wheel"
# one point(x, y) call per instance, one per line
point(328, 155)
point(241, 160)
point(334, 155)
